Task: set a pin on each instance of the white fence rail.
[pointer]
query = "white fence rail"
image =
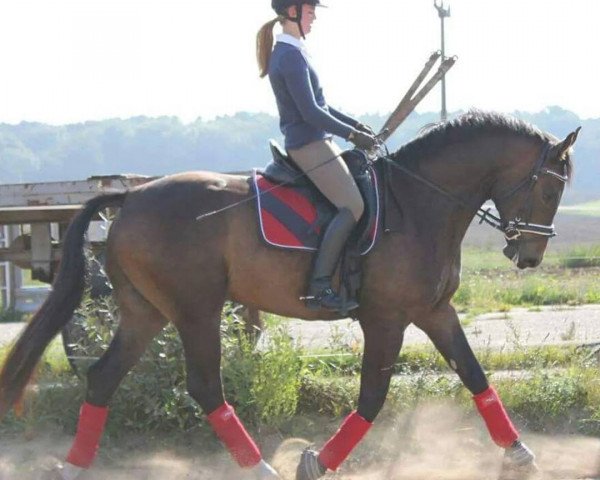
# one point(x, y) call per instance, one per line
point(4, 271)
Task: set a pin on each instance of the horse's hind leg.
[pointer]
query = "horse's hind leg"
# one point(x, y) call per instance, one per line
point(445, 331)
point(139, 323)
point(200, 331)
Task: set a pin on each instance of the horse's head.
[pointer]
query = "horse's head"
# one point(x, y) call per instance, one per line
point(527, 207)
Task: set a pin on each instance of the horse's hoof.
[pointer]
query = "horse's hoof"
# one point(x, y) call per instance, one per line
point(309, 467)
point(264, 471)
point(61, 472)
point(519, 463)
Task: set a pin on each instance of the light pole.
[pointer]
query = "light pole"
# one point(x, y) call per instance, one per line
point(443, 14)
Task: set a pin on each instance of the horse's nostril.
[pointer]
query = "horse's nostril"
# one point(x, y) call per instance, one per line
point(510, 251)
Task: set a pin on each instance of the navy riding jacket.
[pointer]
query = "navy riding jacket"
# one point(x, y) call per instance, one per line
point(304, 115)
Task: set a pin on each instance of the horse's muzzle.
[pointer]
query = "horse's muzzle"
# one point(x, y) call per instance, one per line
point(511, 250)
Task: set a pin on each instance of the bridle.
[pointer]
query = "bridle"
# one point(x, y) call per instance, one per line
point(512, 229)
point(520, 224)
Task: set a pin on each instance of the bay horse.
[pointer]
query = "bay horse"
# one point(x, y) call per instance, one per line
point(167, 266)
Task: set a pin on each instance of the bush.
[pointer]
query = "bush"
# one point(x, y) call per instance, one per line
point(263, 384)
point(11, 315)
point(548, 400)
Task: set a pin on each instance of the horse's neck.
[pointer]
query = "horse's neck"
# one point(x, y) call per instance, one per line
point(466, 172)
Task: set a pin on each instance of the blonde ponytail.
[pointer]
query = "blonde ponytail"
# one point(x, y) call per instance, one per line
point(264, 46)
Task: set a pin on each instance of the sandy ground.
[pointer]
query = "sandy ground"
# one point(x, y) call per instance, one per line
point(433, 442)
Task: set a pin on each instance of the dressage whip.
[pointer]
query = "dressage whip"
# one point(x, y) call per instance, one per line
point(256, 195)
point(279, 185)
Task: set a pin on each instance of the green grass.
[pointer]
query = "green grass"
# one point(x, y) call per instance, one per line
point(490, 283)
point(475, 260)
point(581, 257)
point(415, 358)
point(589, 209)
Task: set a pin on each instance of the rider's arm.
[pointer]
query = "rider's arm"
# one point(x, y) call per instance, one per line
point(342, 117)
point(297, 79)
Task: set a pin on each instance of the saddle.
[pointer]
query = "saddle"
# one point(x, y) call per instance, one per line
point(293, 212)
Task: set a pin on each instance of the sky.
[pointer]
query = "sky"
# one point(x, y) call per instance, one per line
point(66, 61)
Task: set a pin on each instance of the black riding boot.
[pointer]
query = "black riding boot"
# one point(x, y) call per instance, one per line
point(320, 292)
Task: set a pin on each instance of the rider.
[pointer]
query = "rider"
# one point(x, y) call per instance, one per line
point(308, 123)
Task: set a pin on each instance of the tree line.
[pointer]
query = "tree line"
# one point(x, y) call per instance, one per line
point(36, 152)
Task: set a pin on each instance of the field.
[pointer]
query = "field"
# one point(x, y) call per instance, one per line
point(574, 229)
point(428, 429)
point(590, 209)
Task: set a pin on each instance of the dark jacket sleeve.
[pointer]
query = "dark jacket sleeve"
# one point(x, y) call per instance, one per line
point(343, 117)
point(297, 79)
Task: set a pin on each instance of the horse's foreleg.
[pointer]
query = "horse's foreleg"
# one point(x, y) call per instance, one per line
point(201, 340)
point(139, 323)
point(445, 331)
point(383, 341)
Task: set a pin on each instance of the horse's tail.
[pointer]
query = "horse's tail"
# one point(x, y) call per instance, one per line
point(57, 310)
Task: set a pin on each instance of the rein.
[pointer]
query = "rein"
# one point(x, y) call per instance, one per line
point(512, 229)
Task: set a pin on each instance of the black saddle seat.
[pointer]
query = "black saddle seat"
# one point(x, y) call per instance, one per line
point(283, 169)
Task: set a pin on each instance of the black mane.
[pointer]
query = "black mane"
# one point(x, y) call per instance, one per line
point(464, 128)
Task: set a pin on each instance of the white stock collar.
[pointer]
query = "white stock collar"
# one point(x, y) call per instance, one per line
point(291, 40)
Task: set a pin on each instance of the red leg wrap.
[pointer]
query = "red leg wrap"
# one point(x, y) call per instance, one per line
point(345, 439)
point(89, 430)
point(501, 429)
point(232, 433)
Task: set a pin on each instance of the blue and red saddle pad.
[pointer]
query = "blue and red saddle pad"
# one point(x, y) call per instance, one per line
point(293, 217)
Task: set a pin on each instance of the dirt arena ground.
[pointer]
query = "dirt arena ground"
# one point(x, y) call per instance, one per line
point(435, 442)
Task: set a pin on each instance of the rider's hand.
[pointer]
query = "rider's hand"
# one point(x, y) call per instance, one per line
point(362, 140)
point(361, 127)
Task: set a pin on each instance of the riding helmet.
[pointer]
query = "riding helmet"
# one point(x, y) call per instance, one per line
point(281, 5)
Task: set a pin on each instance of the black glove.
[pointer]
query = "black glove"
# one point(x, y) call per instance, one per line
point(362, 140)
point(361, 127)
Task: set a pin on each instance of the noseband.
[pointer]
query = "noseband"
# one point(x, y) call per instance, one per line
point(513, 229)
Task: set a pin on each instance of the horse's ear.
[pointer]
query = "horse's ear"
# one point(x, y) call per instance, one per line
point(563, 147)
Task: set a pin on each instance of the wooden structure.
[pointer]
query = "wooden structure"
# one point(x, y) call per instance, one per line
point(33, 219)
